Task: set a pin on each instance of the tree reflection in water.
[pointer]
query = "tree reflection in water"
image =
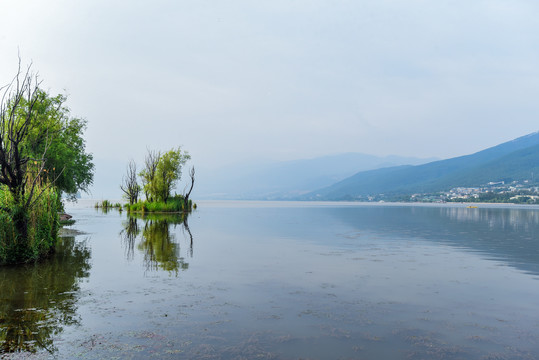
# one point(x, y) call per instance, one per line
point(38, 300)
point(158, 241)
point(129, 235)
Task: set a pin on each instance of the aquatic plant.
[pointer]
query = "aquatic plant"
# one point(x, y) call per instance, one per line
point(106, 204)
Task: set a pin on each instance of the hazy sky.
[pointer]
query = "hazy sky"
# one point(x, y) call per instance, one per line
point(234, 80)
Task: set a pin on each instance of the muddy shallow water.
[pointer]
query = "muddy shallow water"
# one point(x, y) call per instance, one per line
point(249, 280)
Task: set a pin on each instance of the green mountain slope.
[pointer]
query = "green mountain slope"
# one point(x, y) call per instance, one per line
point(513, 160)
point(518, 165)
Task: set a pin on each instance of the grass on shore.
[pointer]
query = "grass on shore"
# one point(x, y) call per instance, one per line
point(43, 224)
point(173, 204)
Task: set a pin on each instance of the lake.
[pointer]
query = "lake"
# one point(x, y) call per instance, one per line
point(282, 280)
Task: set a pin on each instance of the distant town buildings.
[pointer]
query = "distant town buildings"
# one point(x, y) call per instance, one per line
point(515, 192)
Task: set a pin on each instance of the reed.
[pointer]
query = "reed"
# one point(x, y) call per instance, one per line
point(43, 225)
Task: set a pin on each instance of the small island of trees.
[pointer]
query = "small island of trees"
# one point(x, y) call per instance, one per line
point(160, 175)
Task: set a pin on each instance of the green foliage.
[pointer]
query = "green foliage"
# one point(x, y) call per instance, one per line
point(160, 176)
point(174, 204)
point(147, 175)
point(137, 207)
point(54, 130)
point(42, 228)
point(106, 204)
point(42, 155)
point(162, 173)
point(67, 222)
point(169, 172)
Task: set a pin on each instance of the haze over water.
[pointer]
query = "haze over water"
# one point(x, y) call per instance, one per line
point(285, 281)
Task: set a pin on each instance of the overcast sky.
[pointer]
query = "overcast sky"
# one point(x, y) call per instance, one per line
point(237, 80)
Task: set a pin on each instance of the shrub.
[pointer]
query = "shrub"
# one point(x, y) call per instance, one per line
point(173, 204)
point(43, 224)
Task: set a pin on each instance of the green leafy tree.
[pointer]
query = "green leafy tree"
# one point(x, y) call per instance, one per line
point(147, 175)
point(21, 170)
point(60, 137)
point(169, 172)
point(41, 147)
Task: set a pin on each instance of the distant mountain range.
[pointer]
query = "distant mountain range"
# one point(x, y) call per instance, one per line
point(288, 179)
point(514, 160)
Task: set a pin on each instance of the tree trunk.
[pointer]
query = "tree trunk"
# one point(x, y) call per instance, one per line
point(186, 197)
point(20, 220)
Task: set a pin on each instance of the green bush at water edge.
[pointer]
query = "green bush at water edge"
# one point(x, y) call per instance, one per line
point(173, 204)
point(43, 225)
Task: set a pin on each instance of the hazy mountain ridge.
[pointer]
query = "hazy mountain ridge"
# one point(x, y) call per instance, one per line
point(288, 179)
point(514, 160)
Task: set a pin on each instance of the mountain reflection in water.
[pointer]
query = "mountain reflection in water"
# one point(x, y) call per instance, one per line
point(157, 242)
point(39, 300)
point(508, 235)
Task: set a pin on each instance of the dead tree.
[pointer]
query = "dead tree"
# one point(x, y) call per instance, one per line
point(186, 196)
point(129, 185)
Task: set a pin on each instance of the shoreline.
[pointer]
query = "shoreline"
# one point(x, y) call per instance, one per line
point(89, 203)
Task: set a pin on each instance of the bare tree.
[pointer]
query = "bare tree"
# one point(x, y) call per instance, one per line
point(186, 196)
point(129, 185)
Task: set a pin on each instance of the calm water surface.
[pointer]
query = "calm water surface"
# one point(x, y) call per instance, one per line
point(247, 280)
